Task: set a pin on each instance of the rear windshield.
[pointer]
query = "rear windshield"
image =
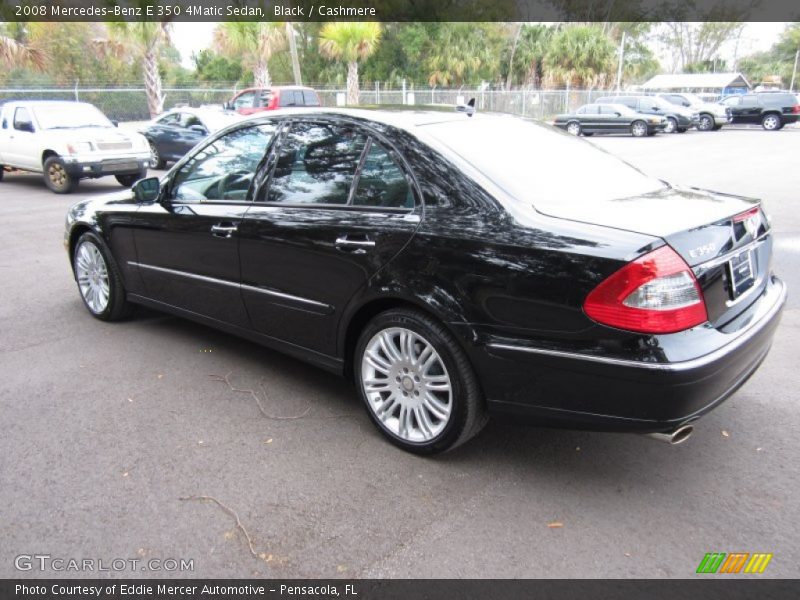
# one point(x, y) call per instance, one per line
point(538, 164)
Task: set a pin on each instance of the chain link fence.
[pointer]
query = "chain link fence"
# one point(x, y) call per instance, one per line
point(129, 103)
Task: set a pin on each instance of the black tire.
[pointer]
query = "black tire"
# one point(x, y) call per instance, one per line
point(129, 180)
point(672, 125)
point(156, 161)
point(706, 123)
point(468, 408)
point(682, 129)
point(717, 127)
point(639, 129)
point(588, 134)
point(771, 122)
point(56, 177)
point(117, 306)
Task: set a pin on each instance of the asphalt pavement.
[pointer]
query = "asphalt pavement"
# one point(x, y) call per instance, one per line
point(114, 433)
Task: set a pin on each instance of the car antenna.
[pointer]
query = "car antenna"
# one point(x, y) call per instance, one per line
point(468, 108)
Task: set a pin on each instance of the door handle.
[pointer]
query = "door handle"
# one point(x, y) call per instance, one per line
point(224, 230)
point(354, 246)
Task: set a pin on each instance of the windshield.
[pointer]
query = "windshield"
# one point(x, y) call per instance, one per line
point(694, 99)
point(69, 116)
point(538, 164)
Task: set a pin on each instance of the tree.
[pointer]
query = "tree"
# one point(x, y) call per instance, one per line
point(290, 35)
point(210, 66)
point(527, 66)
point(253, 43)
point(146, 39)
point(15, 51)
point(580, 56)
point(350, 42)
point(461, 53)
point(696, 43)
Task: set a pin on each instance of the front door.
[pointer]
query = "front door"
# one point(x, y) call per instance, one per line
point(187, 244)
point(336, 206)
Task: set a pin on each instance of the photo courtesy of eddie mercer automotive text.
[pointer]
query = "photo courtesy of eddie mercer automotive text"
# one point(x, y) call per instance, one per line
point(418, 255)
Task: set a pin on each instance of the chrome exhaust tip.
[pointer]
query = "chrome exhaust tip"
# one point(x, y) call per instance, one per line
point(677, 436)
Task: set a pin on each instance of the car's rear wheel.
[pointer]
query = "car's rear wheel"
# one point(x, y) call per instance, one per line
point(638, 129)
point(57, 178)
point(99, 282)
point(706, 123)
point(574, 128)
point(771, 122)
point(155, 157)
point(129, 180)
point(671, 126)
point(416, 383)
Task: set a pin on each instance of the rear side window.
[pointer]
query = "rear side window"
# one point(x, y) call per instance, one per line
point(382, 182)
point(291, 98)
point(316, 164)
point(608, 110)
point(310, 98)
point(778, 99)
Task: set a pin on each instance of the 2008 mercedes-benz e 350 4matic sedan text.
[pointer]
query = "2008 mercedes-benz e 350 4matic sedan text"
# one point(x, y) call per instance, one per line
point(453, 267)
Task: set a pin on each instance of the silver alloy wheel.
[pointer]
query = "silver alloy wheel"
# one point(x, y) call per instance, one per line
point(57, 174)
point(771, 122)
point(706, 123)
point(672, 126)
point(154, 156)
point(92, 275)
point(406, 384)
point(639, 129)
point(574, 128)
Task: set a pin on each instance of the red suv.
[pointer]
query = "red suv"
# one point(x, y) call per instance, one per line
point(253, 100)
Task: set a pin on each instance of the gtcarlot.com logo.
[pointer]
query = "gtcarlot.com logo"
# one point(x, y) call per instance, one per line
point(735, 562)
point(46, 562)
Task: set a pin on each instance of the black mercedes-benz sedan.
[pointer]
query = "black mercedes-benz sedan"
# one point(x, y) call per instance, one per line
point(609, 118)
point(453, 267)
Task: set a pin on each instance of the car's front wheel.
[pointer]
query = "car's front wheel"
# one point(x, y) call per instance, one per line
point(671, 126)
point(416, 383)
point(771, 122)
point(99, 282)
point(57, 178)
point(638, 129)
point(129, 180)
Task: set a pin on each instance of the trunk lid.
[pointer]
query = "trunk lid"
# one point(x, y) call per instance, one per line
point(724, 238)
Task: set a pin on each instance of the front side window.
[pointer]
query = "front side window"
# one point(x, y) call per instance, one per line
point(244, 100)
point(732, 101)
point(310, 98)
point(22, 119)
point(609, 109)
point(224, 169)
point(382, 183)
point(316, 164)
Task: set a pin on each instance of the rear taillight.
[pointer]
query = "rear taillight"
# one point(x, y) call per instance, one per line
point(796, 109)
point(656, 293)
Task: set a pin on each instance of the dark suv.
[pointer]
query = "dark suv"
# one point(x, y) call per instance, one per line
point(772, 109)
point(679, 119)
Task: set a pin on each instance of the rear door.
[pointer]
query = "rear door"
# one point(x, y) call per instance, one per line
point(336, 205)
point(187, 244)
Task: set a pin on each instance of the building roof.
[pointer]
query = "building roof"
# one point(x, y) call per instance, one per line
point(696, 81)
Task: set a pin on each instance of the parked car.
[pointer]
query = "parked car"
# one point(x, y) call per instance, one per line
point(609, 118)
point(254, 100)
point(172, 134)
point(772, 110)
point(67, 142)
point(679, 119)
point(451, 266)
point(711, 115)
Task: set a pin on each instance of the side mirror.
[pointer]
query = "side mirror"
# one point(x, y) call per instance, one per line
point(147, 190)
point(617, 114)
point(24, 126)
point(198, 129)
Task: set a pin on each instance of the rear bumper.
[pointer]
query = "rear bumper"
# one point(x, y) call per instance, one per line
point(580, 390)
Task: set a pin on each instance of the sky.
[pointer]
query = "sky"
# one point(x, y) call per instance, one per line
point(193, 37)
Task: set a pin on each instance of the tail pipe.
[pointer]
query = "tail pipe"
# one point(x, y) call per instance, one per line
point(676, 436)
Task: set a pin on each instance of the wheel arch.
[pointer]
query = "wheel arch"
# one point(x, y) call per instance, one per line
point(355, 323)
point(78, 229)
point(47, 154)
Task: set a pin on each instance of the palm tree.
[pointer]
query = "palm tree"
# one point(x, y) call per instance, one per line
point(580, 55)
point(16, 52)
point(254, 43)
point(461, 53)
point(146, 39)
point(350, 42)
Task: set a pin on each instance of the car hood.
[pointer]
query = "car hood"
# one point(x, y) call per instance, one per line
point(96, 135)
point(660, 213)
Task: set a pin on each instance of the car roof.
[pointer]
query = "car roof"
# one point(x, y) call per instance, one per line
point(276, 87)
point(47, 103)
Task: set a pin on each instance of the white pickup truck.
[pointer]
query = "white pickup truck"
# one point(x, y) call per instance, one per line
point(69, 141)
